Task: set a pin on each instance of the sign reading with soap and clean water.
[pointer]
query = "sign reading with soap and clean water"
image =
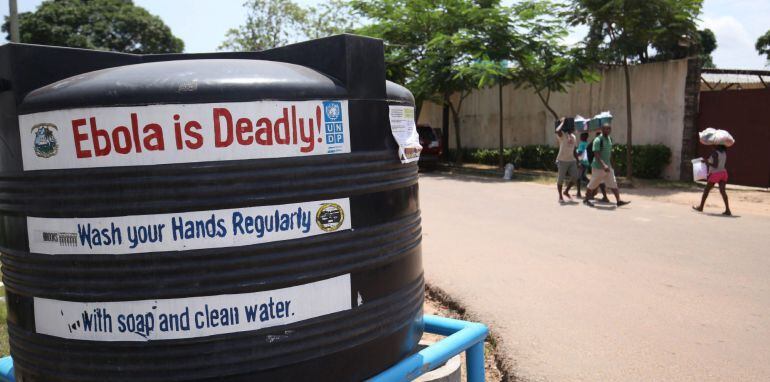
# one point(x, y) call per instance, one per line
point(167, 319)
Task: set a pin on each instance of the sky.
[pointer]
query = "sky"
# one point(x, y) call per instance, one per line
point(202, 24)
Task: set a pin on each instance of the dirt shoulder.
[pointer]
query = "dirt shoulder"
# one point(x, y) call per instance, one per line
point(439, 304)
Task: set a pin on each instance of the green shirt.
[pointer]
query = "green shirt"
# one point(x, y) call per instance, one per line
point(602, 148)
point(580, 150)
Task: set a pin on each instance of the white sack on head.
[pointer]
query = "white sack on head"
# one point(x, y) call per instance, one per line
point(604, 114)
point(716, 137)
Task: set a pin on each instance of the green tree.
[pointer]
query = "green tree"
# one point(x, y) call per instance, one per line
point(547, 65)
point(622, 32)
point(406, 27)
point(269, 24)
point(707, 43)
point(701, 44)
point(116, 25)
point(273, 23)
point(442, 49)
point(330, 18)
point(763, 45)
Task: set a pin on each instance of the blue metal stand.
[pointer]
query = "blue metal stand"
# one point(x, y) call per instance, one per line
point(461, 336)
point(6, 370)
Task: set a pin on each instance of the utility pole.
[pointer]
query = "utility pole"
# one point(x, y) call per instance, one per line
point(14, 20)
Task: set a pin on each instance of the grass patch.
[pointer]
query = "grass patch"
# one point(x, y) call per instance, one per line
point(4, 347)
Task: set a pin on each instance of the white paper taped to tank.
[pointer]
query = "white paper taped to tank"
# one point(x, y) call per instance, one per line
point(405, 132)
point(191, 317)
point(187, 230)
point(165, 134)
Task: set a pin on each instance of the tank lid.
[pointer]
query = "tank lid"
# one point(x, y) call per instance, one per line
point(185, 81)
point(398, 93)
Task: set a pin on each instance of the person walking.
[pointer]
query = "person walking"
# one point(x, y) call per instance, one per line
point(717, 175)
point(583, 162)
point(601, 168)
point(590, 155)
point(566, 160)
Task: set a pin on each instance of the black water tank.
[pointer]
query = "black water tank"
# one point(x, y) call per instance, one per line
point(211, 217)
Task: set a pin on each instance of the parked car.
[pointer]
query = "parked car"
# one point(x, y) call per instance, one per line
point(430, 140)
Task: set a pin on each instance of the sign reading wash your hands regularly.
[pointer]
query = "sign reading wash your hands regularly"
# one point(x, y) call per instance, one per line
point(167, 319)
point(187, 230)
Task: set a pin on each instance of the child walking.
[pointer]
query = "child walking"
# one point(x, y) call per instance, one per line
point(584, 164)
point(717, 175)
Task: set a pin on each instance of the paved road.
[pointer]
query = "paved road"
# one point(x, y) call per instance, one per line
point(648, 292)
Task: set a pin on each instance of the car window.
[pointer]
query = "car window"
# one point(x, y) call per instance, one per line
point(426, 133)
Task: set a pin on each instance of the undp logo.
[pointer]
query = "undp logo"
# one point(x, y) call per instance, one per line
point(335, 134)
point(333, 111)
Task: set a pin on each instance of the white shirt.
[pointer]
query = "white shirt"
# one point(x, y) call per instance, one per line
point(567, 144)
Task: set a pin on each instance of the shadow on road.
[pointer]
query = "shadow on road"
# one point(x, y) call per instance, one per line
point(719, 215)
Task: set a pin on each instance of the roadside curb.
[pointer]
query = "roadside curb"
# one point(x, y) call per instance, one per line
point(445, 167)
point(493, 173)
point(519, 175)
point(523, 176)
point(504, 365)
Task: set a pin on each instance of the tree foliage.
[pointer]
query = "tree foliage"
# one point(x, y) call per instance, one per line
point(624, 31)
point(763, 45)
point(116, 25)
point(273, 23)
point(269, 24)
point(330, 18)
point(702, 43)
point(707, 43)
point(547, 65)
point(407, 27)
point(628, 29)
point(442, 49)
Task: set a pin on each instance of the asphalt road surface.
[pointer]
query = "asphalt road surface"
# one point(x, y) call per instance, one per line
point(647, 292)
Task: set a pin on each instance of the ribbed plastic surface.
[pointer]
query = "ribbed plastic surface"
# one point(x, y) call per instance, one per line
point(380, 252)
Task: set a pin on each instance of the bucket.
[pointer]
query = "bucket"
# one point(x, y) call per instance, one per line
point(508, 175)
point(699, 170)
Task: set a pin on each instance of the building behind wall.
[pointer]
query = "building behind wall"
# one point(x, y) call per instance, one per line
point(737, 100)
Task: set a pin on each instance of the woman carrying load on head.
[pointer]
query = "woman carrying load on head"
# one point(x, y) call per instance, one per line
point(566, 159)
point(717, 175)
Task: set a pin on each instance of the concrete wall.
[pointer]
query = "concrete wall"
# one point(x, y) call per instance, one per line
point(658, 110)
